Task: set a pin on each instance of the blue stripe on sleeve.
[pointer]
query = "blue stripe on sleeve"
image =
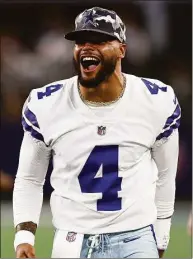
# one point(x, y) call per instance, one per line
point(168, 132)
point(172, 123)
point(33, 132)
point(31, 117)
point(175, 115)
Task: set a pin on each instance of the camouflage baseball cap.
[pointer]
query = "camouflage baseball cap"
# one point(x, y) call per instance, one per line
point(98, 20)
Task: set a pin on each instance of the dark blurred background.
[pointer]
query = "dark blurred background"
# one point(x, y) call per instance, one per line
point(34, 53)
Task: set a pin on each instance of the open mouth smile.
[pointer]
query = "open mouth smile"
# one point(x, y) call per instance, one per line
point(89, 63)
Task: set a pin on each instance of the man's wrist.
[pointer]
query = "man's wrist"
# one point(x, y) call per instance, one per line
point(161, 253)
point(24, 236)
point(162, 233)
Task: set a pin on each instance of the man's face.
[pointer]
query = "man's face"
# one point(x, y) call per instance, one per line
point(95, 58)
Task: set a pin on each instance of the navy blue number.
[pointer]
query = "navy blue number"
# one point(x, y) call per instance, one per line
point(49, 90)
point(152, 87)
point(109, 184)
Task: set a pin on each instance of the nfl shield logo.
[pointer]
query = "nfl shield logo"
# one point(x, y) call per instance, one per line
point(71, 236)
point(101, 130)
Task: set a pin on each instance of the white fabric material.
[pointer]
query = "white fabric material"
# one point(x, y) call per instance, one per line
point(62, 248)
point(28, 187)
point(165, 154)
point(162, 232)
point(24, 236)
point(166, 158)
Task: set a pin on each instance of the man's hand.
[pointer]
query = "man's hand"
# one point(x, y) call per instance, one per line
point(25, 251)
point(161, 253)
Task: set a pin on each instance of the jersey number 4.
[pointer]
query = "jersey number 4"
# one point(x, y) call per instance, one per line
point(109, 184)
point(152, 87)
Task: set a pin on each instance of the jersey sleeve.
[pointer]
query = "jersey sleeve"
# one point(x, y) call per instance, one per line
point(33, 164)
point(29, 119)
point(172, 114)
point(165, 154)
point(28, 188)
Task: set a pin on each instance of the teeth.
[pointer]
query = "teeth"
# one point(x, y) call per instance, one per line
point(89, 58)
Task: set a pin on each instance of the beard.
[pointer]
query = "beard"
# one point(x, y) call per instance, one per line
point(106, 70)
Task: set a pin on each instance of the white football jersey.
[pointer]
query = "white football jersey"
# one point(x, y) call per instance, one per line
point(104, 176)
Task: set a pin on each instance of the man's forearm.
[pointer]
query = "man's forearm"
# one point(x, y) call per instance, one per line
point(29, 226)
point(27, 201)
point(166, 157)
point(28, 187)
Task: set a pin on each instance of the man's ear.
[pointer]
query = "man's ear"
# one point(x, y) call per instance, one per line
point(122, 50)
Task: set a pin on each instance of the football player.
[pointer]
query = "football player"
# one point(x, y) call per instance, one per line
point(113, 138)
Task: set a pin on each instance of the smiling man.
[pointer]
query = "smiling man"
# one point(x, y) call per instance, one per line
point(113, 138)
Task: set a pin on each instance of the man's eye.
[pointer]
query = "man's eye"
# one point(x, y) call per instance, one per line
point(99, 42)
point(79, 42)
point(82, 42)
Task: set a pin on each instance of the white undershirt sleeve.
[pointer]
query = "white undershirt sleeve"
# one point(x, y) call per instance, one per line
point(165, 154)
point(30, 178)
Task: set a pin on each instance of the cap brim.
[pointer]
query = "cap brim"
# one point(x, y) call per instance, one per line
point(74, 35)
